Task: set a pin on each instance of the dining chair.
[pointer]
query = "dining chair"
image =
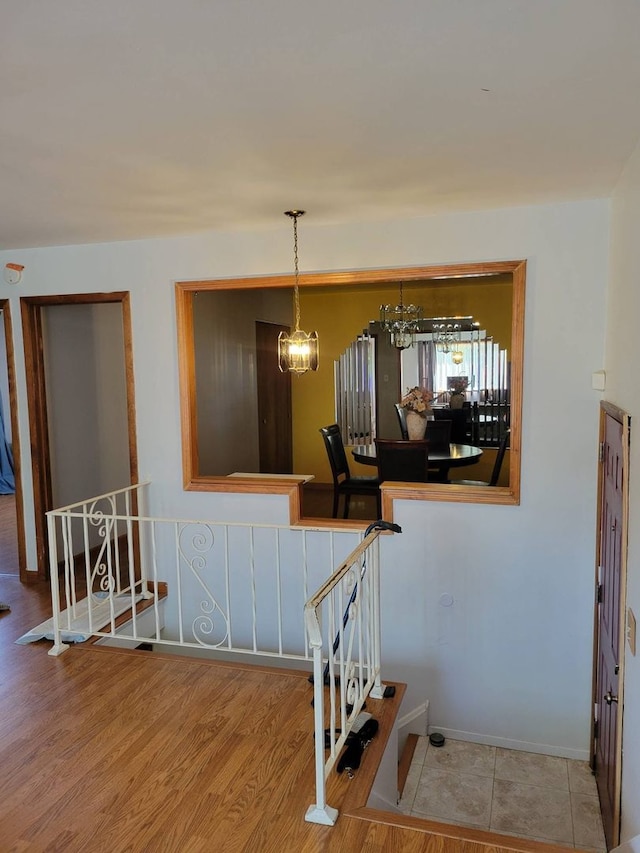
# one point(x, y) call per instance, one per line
point(343, 482)
point(460, 422)
point(497, 466)
point(405, 461)
point(439, 434)
point(402, 419)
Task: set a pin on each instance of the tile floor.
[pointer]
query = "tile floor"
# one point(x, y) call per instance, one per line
point(522, 794)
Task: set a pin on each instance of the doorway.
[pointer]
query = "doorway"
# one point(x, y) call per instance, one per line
point(12, 540)
point(609, 635)
point(80, 392)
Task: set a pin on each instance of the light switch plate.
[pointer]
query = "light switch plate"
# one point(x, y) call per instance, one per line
point(631, 630)
point(598, 380)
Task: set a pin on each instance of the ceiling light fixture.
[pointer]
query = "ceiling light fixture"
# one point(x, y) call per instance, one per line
point(447, 336)
point(298, 351)
point(401, 321)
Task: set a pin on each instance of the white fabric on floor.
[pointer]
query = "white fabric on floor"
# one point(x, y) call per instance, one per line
point(79, 625)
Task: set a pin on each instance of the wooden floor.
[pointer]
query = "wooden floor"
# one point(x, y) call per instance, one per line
point(8, 536)
point(114, 751)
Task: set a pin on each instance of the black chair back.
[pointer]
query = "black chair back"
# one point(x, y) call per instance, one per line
point(460, 423)
point(439, 434)
point(336, 453)
point(504, 443)
point(488, 422)
point(343, 483)
point(402, 419)
point(405, 461)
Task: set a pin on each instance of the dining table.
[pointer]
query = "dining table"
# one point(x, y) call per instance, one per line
point(440, 458)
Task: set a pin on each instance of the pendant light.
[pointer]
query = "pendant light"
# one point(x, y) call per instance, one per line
point(402, 322)
point(298, 351)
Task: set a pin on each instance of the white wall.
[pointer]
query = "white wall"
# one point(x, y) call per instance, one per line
point(511, 658)
point(86, 400)
point(623, 388)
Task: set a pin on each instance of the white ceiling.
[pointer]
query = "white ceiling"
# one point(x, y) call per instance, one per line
point(124, 119)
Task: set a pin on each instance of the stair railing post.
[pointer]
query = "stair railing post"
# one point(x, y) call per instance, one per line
point(58, 646)
point(318, 812)
point(377, 691)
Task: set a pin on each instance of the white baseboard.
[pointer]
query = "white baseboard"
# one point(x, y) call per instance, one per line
point(414, 717)
point(509, 743)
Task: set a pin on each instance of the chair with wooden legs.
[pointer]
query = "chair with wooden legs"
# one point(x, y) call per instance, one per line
point(497, 466)
point(343, 482)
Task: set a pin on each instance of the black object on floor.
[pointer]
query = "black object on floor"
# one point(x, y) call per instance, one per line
point(355, 745)
point(436, 739)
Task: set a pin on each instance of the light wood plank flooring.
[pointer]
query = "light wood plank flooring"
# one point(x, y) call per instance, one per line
point(8, 536)
point(110, 751)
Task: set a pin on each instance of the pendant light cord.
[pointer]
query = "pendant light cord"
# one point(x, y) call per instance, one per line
point(296, 295)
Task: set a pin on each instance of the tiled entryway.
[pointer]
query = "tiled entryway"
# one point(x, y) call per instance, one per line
point(523, 794)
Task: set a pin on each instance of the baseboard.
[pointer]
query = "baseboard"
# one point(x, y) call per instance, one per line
point(414, 715)
point(509, 743)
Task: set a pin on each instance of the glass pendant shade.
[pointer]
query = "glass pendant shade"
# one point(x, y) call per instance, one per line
point(297, 351)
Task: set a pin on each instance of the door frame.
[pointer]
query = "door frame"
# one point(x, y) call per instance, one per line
point(31, 307)
point(611, 410)
point(5, 307)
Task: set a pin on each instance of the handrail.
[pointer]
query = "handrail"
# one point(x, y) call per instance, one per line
point(346, 661)
point(233, 587)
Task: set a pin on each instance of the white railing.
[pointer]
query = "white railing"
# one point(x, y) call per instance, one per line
point(232, 588)
point(343, 625)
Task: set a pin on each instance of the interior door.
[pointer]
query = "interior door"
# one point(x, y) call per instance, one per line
point(610, 609)
point(274, 403)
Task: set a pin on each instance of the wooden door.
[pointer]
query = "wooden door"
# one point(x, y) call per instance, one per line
point(610, 609)
point(274, 403)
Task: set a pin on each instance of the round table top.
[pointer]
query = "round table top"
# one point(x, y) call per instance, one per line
point(457, 455)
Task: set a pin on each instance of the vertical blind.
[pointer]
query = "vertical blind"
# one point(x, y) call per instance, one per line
point(354, 375)
point(484, 363)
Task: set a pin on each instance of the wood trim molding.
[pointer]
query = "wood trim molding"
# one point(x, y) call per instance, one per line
point(194, 481)
point(616, 413)
point(15, 440)
point(37, 402)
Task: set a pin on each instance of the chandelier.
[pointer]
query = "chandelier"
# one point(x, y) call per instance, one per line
point(298, 351)
point(401, 321)
point(447, 336)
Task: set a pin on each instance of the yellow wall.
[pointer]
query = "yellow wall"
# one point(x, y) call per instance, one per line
point(339, 314)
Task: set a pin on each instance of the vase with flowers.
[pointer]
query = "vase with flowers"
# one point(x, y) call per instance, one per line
point(417, 406)
point(457, 386)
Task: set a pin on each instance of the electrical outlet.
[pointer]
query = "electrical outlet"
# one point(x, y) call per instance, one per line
point(631, 630)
